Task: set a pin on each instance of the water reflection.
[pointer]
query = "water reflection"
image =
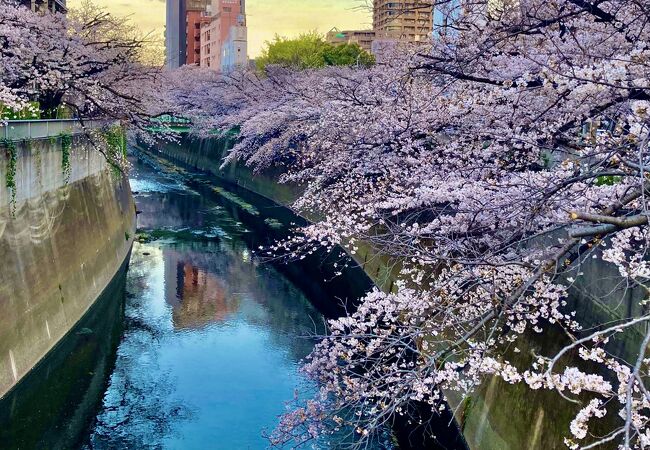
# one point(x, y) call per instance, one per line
point(52, 406)
point(212, 339)
point(201, 296)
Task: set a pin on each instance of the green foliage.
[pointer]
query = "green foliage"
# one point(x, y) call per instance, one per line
point(10, 180)
point(608, 180)
point(58, 112)
point(347, 55)
point(311, 51)
point(467, 405)
point(115, 138)
point(66, 147)
point(30, 112)
point(35, 151)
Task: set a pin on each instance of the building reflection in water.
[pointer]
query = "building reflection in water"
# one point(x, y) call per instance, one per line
point(199, 296)
point(213, 337)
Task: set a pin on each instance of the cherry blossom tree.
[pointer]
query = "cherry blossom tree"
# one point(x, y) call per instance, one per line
point(89, 61)
point(88, 64)
point(493, 164)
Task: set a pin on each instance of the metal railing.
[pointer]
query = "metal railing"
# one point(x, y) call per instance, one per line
point(17, 130)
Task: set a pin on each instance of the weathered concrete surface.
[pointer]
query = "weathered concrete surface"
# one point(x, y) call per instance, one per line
point(55, 404)
point(60, 246)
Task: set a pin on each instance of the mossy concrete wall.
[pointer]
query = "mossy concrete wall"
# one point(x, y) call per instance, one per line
point(498, 415)
point(61, 243)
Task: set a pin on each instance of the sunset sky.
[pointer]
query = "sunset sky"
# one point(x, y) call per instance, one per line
point(265, 17)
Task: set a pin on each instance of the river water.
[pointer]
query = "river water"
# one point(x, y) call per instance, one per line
point(197, 344)
point(211, 347)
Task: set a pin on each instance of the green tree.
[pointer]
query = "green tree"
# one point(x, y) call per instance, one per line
point(347, 55)
point(311, 51)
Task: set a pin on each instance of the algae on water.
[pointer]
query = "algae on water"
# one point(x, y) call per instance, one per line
point(236, 200)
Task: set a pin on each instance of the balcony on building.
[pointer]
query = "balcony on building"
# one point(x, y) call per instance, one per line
point(55, 6)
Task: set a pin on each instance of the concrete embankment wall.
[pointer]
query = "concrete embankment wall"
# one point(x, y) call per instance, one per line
point(207, 155)
point(498, 415)
point(62, 241)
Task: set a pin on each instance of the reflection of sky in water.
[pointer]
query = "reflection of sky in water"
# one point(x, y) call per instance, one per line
point(210, 350)
point(146, 186)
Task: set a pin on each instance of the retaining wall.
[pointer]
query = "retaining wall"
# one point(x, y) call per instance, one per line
point(62, 241)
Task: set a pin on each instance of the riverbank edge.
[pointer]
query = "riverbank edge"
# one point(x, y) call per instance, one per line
point(57, 400)
point(380, 270)
point(65, 233)
point(498, 415)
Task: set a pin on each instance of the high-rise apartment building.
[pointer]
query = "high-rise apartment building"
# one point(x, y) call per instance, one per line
point(224, 39)
point(183, 31)
point(403, 20)
point(175, 34)
point(196, 14)
point(363, 38)
point(46, 5)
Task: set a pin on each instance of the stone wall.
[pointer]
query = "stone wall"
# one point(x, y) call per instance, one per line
point(62, 241)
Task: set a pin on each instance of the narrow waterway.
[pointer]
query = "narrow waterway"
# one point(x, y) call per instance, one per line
point(197, 344)
point(213, 338)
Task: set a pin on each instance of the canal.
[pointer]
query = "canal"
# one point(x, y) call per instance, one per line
point(196, 343)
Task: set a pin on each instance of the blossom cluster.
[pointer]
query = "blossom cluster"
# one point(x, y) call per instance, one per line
point(87, 62)
point(491, 164)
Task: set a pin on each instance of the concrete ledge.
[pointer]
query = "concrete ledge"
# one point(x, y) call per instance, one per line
point(17, 130)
